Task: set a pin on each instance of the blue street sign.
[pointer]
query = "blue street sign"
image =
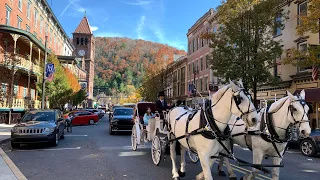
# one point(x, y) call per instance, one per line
point(49, 69)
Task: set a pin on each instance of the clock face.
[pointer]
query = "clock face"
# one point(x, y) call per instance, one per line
point(81, 52)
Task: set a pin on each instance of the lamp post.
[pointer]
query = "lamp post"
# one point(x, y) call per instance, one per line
point(44, 73)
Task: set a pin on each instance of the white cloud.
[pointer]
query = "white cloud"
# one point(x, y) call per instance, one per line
point(140, 27)
point(109, 34)
point(139, 3)
point(94, 28)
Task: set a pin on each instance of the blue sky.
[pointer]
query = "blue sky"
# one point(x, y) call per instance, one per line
point(163, 21)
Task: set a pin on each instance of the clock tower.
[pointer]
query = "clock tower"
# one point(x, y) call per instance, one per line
point(84, 43)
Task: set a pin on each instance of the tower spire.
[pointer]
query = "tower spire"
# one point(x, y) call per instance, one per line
point(85, 13)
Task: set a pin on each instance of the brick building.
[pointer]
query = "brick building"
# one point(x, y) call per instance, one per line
point(198, 70)
point(24, 25)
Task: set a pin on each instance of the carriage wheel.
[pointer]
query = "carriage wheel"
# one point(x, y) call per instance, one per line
point(193, 157)
point(156, 150)
point(134, 138)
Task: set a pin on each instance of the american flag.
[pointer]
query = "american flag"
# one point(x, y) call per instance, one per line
point(315, 72)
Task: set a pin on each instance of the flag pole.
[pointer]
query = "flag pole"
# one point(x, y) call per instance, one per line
point(44, 73)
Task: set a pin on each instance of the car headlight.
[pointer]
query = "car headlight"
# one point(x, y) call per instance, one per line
point(49, 130)
point(14, 129)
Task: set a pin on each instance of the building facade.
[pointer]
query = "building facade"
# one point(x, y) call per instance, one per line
point(24, 27)
point(198, 70)
point(84, 43)
point(294, 78)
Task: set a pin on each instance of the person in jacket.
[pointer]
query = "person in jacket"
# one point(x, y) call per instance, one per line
point(147, 116)
point(161, 103)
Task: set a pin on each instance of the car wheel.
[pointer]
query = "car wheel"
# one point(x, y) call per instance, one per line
point(15, 145)
point(91, 122)
point(55, 142)
point(308, 148)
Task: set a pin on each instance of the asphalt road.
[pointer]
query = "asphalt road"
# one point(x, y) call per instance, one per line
point(90, 153)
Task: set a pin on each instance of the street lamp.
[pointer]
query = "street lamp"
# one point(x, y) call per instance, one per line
point(44, 73)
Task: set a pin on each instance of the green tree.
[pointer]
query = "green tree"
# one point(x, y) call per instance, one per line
point(244, 47)
point(78, 97)
point(310, 19)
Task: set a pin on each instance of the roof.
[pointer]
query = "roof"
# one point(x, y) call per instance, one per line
point(83, 27)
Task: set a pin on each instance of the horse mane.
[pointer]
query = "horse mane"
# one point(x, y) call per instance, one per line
point(219, 93)
point(276, 105)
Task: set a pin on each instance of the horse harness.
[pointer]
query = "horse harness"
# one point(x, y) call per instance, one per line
point(267, 130)
point(208, 127)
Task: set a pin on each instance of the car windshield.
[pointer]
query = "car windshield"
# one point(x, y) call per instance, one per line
point(123, 112)
point(38, 116)
point(115, 107)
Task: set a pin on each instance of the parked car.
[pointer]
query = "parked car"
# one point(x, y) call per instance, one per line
point(308, 146)
point(96, 111)
point(121, 120)
point(82, 117)
point(38, 126)
point(112, 110)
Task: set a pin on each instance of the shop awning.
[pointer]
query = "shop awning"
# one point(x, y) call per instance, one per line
point(312, 95)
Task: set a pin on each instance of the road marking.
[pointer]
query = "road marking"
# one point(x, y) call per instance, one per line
point(310, 159)
point(125, 147)
point(50, 149)
point(132, 153)
point(71, 135)
point(235, 166)
point(243, 172)
point(293, 152)
point(309, 171)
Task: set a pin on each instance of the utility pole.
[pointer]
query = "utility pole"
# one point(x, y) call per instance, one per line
point(44, 73)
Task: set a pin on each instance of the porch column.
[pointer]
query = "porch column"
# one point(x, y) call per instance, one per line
point(29, 74)
point(15, 38)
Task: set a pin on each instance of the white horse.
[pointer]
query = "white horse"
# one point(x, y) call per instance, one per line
point(287, 111)
point(231, 99)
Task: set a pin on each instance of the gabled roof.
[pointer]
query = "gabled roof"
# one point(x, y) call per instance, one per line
point(83, 27)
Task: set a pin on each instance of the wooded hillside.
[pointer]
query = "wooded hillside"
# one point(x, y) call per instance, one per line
point(121, 63)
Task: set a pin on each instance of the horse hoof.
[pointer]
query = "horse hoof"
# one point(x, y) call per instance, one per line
point(222, 173)
point(233, 178)
point(176, 178)
point(181, 174)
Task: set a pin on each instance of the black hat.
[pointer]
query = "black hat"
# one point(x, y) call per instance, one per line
point(161, 93)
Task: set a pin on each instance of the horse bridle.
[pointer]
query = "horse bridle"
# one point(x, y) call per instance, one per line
point(237, 99)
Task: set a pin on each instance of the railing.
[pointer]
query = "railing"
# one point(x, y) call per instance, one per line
point(21, 63)
point(20, 103)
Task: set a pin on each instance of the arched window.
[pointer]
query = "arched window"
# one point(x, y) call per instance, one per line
point(85, 41)
point(81, 41)
point(78, 41)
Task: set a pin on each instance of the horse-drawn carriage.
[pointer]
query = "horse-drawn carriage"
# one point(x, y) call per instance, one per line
point(156, 132)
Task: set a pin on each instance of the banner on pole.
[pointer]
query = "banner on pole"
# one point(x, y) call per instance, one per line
point(49, 71)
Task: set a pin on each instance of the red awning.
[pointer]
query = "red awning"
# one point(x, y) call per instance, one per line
point(312, 95)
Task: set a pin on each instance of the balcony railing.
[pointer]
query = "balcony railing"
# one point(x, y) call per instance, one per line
point(20, 103)
point(21, 63)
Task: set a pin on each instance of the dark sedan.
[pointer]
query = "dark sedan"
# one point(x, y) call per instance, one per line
point(121, 120)
point(39, 126)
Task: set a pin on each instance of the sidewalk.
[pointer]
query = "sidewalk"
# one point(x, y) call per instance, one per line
point(8, 170)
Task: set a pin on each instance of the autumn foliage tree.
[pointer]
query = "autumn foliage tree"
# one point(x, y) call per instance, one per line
point(122, 65)
point(63, 88)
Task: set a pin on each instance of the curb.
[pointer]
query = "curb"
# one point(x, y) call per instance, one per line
point(12, 166)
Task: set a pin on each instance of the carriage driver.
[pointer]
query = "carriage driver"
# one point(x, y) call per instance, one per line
point(161, 104)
